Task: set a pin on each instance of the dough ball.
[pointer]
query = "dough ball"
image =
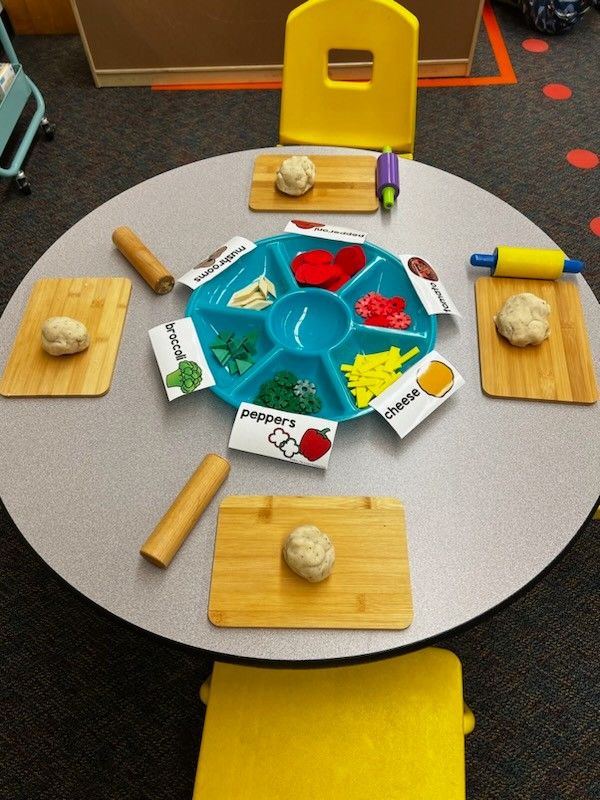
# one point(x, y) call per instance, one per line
point(523, 319)
point(309, 553)
point(296, 175)
point(63, 335)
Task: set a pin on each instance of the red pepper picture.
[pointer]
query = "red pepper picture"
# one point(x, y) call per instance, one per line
point(300, 223)
point(314, 444)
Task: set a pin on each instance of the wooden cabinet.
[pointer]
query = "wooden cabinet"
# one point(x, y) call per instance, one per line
point(140, 42)
point(41, 16)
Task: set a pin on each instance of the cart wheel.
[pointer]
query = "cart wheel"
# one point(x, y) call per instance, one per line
point(49, 128)
point(23, 184)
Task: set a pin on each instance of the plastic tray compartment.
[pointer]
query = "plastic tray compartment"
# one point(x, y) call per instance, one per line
point(307, 331)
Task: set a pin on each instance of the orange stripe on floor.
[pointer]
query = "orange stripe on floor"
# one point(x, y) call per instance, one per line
point(505, 76)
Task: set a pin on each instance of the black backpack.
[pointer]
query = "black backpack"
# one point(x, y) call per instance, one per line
point(553, 16)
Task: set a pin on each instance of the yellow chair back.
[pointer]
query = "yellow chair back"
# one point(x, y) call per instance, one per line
point(372, 114)
point(393, 728)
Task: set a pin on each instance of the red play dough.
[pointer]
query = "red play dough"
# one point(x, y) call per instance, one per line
point(595, 226)
point(318, 257)
point(380, 321)
point(396, 304)
point(351, 259)
point(336, 284)
point(557, 91)
point(297, 262)
point(535, 45)
point(584, 159)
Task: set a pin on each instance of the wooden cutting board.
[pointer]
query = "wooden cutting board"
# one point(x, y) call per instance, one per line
point(252, 586)
point(559, 369)
point(342, 183)
point(101, 304)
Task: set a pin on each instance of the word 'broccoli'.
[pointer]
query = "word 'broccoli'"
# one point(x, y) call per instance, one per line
point(188, 376)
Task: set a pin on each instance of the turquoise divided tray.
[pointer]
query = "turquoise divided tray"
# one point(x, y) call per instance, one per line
point(307, 331)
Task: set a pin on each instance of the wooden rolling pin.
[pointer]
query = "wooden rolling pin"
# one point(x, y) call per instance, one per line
point(156, 275)
point(173, 529)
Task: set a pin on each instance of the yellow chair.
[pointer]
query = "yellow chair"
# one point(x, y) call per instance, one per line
point(390, 729)
point(318, 110)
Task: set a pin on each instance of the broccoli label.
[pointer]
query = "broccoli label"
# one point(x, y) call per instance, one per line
point(180, 358)
point(177, 351)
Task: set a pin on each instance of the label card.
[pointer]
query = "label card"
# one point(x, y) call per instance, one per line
point(216, 262)
point(427, 285)
point(279, 434)
point(321, 231)
point(422, 389)
point(180, 359)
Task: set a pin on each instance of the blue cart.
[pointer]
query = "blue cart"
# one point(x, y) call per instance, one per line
point(11, 108)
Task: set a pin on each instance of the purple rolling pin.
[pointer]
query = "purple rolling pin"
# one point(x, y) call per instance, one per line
point(388, 178)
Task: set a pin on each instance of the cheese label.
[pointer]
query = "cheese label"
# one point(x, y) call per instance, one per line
point(417, 393)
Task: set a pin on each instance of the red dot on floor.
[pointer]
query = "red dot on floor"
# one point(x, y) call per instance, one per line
point(535, 45)
point(595, 226)
point(584, 159)
point(557, 91)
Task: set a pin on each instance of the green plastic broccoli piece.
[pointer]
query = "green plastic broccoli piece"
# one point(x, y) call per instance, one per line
point(188, 376)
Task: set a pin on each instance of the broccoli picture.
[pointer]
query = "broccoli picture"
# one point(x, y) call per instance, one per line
point(188, 376)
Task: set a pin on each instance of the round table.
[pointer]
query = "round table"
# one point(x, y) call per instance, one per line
point(493, 489)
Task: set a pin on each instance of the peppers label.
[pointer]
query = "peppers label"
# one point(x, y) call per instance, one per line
point(418, 392)
point(298, 438)
point(321, 231)
point(181, 361)
point(216, 262)
point(432, 292)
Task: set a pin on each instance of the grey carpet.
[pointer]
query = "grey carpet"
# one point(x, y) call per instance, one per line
point(91, 708)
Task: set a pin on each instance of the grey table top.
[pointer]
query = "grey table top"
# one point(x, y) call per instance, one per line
point(493, 489)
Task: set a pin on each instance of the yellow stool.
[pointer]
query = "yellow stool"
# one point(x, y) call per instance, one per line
point(372, 114)
point(390, 729)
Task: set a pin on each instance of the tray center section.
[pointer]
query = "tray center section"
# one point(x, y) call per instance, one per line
point(310, 320)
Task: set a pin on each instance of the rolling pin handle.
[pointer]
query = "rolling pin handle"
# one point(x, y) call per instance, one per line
point(573, 265)
point(484, 260)
point(387, 177)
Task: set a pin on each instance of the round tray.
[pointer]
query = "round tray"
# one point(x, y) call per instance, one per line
point(309, 332)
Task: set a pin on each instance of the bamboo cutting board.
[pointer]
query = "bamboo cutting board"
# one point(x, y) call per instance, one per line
point(252, 586)
point(101, 304)
point(560, 368)
point(342, 183)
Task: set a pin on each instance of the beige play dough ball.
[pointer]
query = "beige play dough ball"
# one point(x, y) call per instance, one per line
point(523, 319)
point(296, 175)
point(63, 335)
point(309, 553)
